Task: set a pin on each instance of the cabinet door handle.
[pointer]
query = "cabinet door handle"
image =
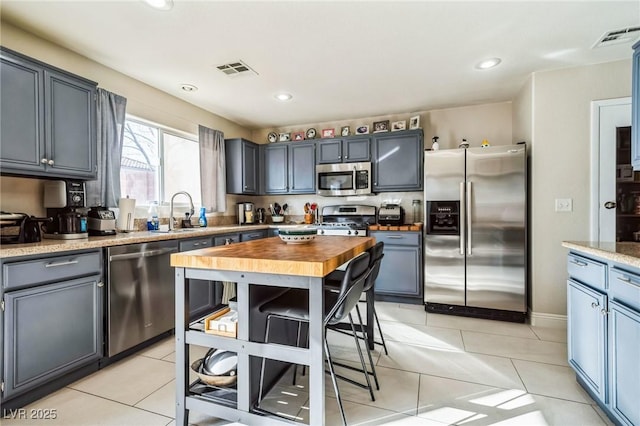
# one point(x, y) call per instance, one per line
point(100, 284)
point(594, 305)
point(43, 161)
point(68, 262)
point(395, 237)
point(624, 279)
point(577, 262)
point(603, 312)
point(50, 162)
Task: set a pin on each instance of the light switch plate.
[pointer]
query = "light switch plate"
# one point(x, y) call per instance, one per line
point(564, 204)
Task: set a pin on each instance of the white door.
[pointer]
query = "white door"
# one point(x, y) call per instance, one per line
point(606, 117)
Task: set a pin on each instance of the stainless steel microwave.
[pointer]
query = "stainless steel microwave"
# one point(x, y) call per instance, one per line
point(343, 179)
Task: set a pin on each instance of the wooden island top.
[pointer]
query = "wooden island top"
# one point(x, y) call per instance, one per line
point(273, 256)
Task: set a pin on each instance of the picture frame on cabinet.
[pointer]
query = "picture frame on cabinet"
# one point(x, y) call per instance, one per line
point(345, 131)
point(362, 130)
point(272, 137)
point(328, 133)
point(285, 137)
point(311, 133)
point(298, 136)
point(380, 126)
point(398, 125)
point(414, 122)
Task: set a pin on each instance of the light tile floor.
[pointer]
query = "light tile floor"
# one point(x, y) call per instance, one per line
point(440, 370)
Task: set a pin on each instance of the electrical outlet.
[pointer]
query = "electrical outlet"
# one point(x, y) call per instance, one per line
point(564, 204)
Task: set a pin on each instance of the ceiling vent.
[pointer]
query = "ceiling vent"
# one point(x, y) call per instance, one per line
point(625, 35)
point(236, 69)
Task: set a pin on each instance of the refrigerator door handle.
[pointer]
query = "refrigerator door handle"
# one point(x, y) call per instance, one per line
point(463, 212)
point(468, 216)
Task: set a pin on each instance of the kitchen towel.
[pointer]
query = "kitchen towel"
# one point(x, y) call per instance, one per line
point(127, 207)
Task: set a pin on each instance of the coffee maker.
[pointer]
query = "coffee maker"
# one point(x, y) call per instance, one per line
point(246, 213)
point(63, 199)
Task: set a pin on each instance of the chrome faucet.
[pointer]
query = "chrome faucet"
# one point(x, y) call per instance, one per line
point(171, 219)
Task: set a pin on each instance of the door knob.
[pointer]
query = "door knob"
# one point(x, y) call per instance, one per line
point(610, 205)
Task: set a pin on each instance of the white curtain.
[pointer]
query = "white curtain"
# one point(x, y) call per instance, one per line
point(213, 180)
point(105, 190)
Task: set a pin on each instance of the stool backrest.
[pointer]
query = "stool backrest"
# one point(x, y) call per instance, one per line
point(350, 288)
point(376, 254)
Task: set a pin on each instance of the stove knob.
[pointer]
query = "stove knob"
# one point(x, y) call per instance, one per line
point(355, 232)
point(322, 232)
point(349, 232)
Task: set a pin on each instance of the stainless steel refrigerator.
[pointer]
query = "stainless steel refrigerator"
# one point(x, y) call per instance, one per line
point(475, 235)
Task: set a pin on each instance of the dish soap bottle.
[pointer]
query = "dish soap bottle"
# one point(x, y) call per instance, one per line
point(435, 145)
point(202, 221)
point(153, 223)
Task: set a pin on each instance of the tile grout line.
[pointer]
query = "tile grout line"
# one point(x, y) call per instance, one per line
point(122, 403)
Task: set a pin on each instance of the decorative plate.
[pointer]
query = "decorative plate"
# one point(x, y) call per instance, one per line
point(272, 137)
point(311, 133)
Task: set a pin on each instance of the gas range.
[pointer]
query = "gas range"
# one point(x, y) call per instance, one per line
point(347, 220)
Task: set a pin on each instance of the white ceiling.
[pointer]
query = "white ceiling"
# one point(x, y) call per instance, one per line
point(339, 59)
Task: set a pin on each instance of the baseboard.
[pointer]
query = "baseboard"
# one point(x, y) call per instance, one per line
point(540, 319)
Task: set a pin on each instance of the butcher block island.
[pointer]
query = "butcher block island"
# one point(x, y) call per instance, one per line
point(261, 269)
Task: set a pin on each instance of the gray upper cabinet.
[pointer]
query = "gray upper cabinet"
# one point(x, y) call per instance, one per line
point(47, 120)
point(289, 168)
point(635, 108)
point(397, 161)
point(242, 166)
point(276, 179)
point(302, 169)
point(345, 150)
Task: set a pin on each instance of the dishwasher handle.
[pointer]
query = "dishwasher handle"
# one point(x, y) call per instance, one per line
point(139, 255)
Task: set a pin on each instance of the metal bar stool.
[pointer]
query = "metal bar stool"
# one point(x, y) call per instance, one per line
point(332, 282)
point(293, 305)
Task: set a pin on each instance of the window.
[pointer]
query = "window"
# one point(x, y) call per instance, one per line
point(157, 162)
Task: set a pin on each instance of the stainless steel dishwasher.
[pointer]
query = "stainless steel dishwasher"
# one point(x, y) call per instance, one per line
point(140, 294)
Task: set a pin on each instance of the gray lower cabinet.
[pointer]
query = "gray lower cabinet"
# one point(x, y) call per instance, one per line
point(52, 321)
point(603, 318)
point(203, 295)
point(289, 168)
point(586, 330)
point(400, 276)
point(397, 161)
point(47, 120)
point(254, 235)
point(242, 166)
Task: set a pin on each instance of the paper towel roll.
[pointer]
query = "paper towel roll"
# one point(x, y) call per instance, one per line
point(127, 207)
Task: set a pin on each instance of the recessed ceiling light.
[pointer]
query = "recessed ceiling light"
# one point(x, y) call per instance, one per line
point(488, 63)
point(160, 4)
point(284, 97)
point(188, 87)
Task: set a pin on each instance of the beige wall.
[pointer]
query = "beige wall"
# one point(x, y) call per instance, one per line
point(25, 195)
point(560, 158)
point(474, 123)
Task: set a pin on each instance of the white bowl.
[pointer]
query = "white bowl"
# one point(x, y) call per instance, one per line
point(297, 235)
point(277, 219)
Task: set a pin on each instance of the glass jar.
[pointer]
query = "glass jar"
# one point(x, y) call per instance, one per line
point(417, 211)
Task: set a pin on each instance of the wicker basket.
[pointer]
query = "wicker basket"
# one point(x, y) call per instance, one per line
point(212, 380)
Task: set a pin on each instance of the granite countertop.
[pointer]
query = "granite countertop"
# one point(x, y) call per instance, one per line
point(47, 246)
point(627, 253)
